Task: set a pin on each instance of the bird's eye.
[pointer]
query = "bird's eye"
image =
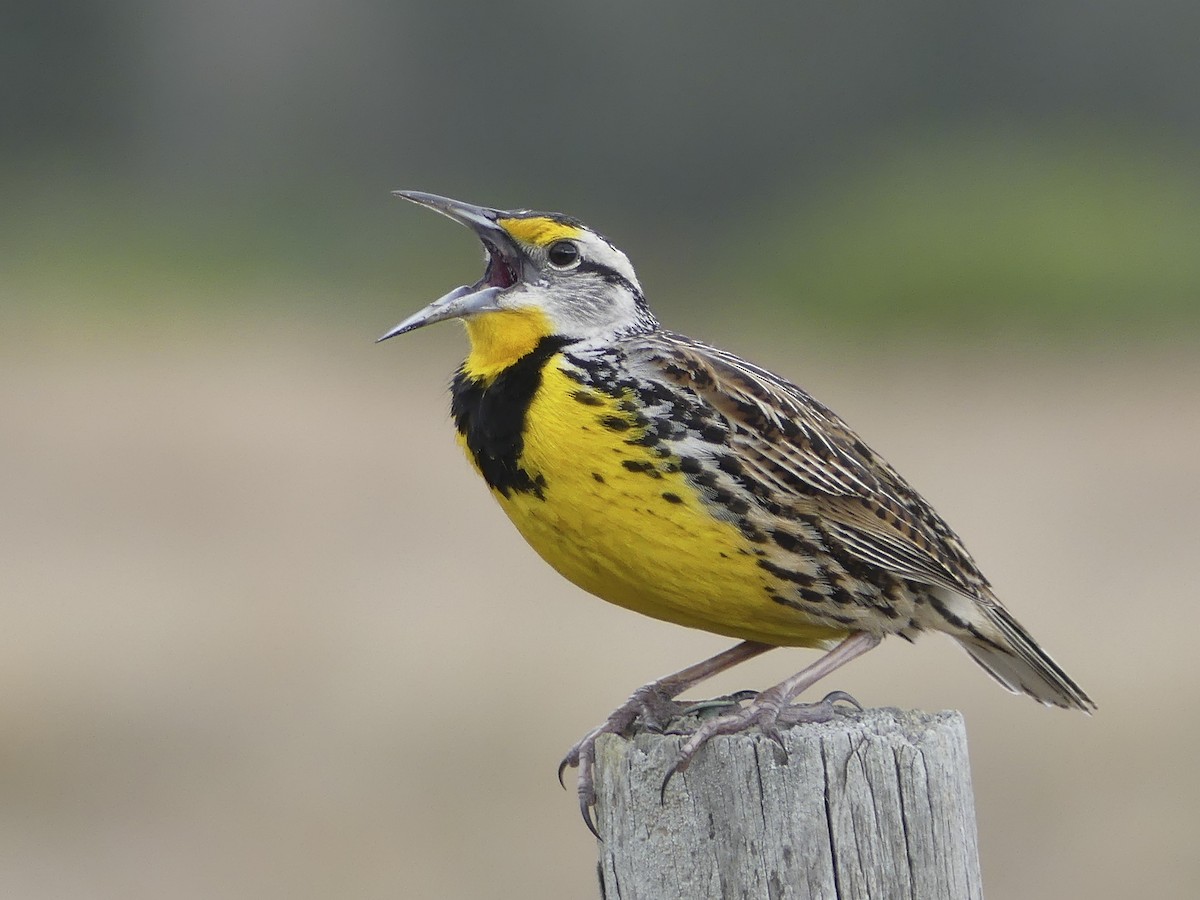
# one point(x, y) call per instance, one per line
point(563, 254)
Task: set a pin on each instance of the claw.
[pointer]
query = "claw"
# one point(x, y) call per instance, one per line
point(771, 732)
point(834, 696)
point(583, 749)
point(678, 765)
point(586, 811)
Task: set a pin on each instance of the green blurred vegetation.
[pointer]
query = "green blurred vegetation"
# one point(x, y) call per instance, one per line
point(979, 233)
point(968, 234)
point(905, 168)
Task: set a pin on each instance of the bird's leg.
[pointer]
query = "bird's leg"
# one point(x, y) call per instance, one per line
point(774, 705)
point(651, 701)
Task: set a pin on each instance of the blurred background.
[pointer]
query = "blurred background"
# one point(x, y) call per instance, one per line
point(265, 635)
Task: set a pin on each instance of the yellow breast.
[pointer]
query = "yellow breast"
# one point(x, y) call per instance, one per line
point(623, 523)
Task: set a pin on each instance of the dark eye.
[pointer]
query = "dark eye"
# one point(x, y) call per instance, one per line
point(562, 254)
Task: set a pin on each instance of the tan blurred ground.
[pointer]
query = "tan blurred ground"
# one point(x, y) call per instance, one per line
point(265, 636)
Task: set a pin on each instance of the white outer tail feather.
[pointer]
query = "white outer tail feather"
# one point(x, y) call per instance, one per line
point(1008, 653)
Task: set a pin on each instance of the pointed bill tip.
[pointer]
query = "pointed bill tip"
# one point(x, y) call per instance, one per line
point(429, 201)
point(433, 201)
point(389, 334)
point(480, 218)
point(458, 304)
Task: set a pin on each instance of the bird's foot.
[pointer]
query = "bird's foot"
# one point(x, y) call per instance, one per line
point(654, 704)
point(651, 706)
point(821, 711)
point(767, 711)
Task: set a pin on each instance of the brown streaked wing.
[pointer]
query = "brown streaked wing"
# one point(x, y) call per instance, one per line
point(807, 455)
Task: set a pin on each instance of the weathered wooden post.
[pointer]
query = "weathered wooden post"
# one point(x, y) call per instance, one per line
point(874, 804)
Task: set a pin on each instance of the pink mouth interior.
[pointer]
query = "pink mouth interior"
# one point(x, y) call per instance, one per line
point(500, 271)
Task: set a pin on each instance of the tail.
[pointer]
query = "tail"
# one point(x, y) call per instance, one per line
point(1018, 663)
point(1009, 654)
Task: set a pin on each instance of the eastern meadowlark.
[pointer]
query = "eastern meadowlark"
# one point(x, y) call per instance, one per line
point(680, 481)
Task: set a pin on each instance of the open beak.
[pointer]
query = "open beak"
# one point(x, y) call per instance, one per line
point(503, 269)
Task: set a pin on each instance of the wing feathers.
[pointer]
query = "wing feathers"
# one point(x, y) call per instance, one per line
point(807, 454)
point(800, 461)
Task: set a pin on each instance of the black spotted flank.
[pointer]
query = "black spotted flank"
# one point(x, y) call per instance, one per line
point(803, 579)
point(491, 418)
point(787, 540)
point(735, 504)
point(730, 464)
point(672, 498)
point(615, 423)
point(647, 468)
point(752, 532)
point(648, 438)
point(587, 398)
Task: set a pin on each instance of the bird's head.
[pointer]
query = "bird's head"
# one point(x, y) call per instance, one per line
point(547, 275)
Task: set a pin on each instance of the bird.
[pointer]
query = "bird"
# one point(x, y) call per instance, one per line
point(680, 481)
